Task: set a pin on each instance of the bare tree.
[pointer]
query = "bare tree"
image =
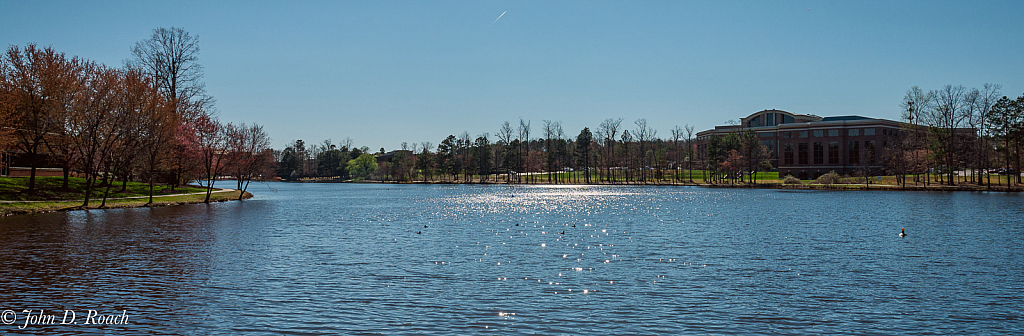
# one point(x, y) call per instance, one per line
point(980, 105)
point(627, 153)
point(524, 145)
point(914, 105)
point(644, 135)
point(171, 58)
point(607, 131)
point(465, 158)
point(549, 153)
point(946, 115)
point(425, 160)
point(689, 151)
point(505, 141)
point(677, 134)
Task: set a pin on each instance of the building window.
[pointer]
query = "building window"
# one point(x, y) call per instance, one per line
point(869, 152)
point(769, 119)
point(833, 133)
point(766, 135)
point(854, 132)
point(788, 153)
point(787, 119)
point(803, 153)
point(854, 152)
point(803, 134)
point(869, 131)
point(819, 153)
point(756, 122)
point(787, 135)
point(833, 152)
point(819, 133)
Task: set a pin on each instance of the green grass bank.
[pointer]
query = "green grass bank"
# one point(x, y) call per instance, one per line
point(51, 197)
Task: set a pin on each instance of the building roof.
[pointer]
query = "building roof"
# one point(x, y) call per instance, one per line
point(838, 118)
point(792, 121)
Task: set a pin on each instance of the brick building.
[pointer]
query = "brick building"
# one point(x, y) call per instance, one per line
point(807, 146)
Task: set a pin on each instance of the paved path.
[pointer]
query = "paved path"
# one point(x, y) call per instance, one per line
point(100, 198)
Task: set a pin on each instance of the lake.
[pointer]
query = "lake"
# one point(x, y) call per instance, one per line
point(362, 259)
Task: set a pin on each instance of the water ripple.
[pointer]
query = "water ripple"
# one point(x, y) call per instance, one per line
point(313, 259)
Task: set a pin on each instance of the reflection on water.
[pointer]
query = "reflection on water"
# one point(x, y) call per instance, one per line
point(417, 259)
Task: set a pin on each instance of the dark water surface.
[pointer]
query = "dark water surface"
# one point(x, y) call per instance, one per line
point(417, 259)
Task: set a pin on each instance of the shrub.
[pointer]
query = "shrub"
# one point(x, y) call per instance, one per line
point(830, 178)
point(791, 180)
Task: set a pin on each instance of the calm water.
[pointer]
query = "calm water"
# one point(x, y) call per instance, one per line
point(415, 259)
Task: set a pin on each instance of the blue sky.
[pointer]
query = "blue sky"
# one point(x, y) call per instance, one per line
point(387, 72)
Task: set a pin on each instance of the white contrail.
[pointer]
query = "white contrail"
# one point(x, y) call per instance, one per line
point(499, 17)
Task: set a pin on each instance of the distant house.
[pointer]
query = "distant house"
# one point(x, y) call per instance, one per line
point(14, 164)
point(807, 146)
point(390, 156)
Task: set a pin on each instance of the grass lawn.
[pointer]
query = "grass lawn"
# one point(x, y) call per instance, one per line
point(49, 188)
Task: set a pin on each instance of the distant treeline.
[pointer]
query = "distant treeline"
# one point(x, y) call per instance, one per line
point(611, 154)
point(956, 129)
point(944, 131)
point(148, 120)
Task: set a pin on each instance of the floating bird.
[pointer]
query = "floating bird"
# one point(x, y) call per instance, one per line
point(563, 232)
point(418, 232)
point(424, 226)
point(903, 233)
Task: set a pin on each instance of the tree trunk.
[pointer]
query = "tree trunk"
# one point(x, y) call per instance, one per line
point(32, 179)
point(89, 179)
point(209, 189)
point(106, 192)
point(67, 178)
point(1017, 163)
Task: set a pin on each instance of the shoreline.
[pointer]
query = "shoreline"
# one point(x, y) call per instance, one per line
point(11, 208)
point(836, 186)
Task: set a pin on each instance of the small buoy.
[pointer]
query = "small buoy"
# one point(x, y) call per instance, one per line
point(903, 233)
